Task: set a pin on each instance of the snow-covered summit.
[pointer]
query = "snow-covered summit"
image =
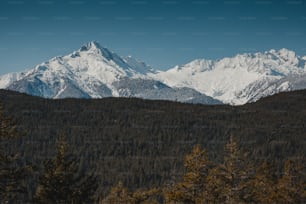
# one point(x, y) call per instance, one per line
point(88, 70)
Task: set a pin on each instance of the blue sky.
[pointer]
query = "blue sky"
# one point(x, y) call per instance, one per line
point(162, 33)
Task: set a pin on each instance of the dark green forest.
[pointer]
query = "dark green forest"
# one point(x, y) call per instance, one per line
point(141, 143)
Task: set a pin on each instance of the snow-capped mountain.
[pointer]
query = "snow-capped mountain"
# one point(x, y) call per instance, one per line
point(241, 79)
point(95, 72)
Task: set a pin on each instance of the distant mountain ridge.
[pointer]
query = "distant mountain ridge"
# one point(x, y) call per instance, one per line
point(242, 78)
point(95, 72)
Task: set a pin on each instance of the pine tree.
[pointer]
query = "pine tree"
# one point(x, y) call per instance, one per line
point(60, 182)
point(191, 189)
point(12, 175)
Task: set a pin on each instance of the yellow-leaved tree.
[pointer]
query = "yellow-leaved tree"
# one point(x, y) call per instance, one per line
point(191, 189)
point(227, 182)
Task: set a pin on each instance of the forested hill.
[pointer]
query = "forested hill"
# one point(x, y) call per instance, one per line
point(143, 142)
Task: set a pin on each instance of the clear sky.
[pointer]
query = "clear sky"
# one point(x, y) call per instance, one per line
point(163, 33)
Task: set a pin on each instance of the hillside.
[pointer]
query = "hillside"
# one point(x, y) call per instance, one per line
point(142, 142)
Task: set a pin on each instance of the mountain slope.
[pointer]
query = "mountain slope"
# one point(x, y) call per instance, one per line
point(7, 79)
point(155, 90)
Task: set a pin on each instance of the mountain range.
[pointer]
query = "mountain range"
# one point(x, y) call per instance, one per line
point(94, 71)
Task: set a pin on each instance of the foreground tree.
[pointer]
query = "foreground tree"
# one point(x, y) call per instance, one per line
point(191, 189)
point(267, 187)
point(263, 185)
point(61, 183)
point(118, 194)
point(227, 182)
point(12, 175)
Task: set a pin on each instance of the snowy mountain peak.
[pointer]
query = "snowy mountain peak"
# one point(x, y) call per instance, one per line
point(283, 51)
point(195, 66)
point(93, 45)
point(286, 55)
point(94, 48)
point(130, 65)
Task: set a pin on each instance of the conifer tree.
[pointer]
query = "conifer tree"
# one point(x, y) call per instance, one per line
point(214, 192)
point(191, 189)
point(264, 184)
point(227, 182)
point(60, 182)
point(12, 175)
